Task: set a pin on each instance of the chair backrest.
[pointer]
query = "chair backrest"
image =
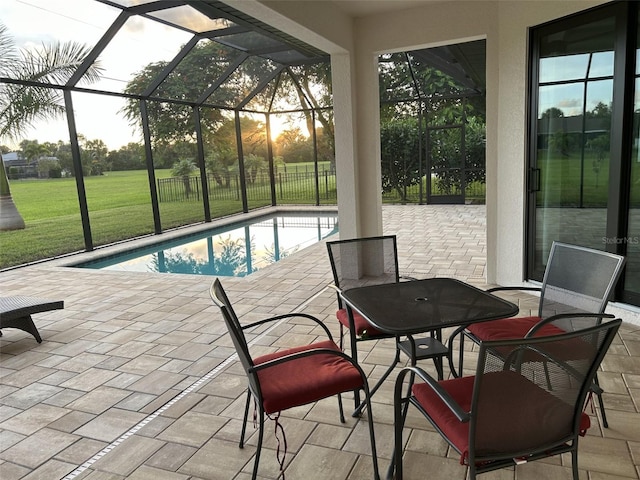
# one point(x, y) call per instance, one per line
point(219, 297)
point(364, 261)
point(579, 277)
point(527, 397)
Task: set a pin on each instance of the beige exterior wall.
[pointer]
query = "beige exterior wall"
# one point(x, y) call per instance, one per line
point(355, 44)
point(506, 140)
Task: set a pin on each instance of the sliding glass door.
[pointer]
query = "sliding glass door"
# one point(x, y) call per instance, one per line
point(581, 160)
point(632, 240)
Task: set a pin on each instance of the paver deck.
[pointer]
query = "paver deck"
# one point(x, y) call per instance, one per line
point(136, 377)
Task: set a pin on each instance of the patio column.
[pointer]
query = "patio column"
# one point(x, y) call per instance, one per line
point(357, 136)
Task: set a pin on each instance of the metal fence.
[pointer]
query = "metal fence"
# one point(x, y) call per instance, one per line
point(473, 193)
point(289, 187)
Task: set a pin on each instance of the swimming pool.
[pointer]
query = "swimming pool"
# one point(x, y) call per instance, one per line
point(237, 250)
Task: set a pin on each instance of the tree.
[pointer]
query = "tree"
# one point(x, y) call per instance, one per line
point(208, 61)
point(312, 87)
point(49, 168)
point(222, 164)
point(128, 157)
point(553, 112)
point(222, 156)
point(254, 165)
point(22, 105)
point(293, 146)
point(33, 151)
point(173, 122)
point(423, 90)
point(65, 157)
point(601, 145)
point(94, 157)
point(400, 154)
point(183, 169)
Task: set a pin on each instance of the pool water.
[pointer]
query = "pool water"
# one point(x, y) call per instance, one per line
point(237, 250)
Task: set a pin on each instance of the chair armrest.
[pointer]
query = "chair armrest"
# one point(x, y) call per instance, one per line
point(499, 289)
point(291, 315)
point(455, 408)
point(334, 287)
point(406, 277)
point(307, 353)
point(560, 316)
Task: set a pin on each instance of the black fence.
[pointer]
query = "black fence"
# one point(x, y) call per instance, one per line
point(289, 187)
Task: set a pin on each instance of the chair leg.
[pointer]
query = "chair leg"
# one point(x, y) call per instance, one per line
point(246, 417)
point(400, 409)
point(574, 462)
point(372, 436)
point(354, 356)
point(598, 391)
point(340, 409)
point(399, 415)
point(358, 411)
point(259, 447)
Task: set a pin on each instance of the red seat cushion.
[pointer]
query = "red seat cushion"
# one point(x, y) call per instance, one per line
point(306, 379)
point(363, 327)
point(518, 327)
point(514, 415)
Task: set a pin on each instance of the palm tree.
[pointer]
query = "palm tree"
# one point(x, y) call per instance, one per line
point(21, 105)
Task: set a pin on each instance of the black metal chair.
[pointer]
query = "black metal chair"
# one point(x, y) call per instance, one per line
point(366, 261)
point(576, 288)
point(292, 377)
point(524, 402)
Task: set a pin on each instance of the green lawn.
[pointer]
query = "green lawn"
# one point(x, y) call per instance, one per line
point(559, 178)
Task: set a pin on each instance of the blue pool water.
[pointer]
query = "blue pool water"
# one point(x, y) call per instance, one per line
point(237, 250)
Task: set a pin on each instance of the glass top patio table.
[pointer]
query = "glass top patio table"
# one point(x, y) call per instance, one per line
point(418, 306)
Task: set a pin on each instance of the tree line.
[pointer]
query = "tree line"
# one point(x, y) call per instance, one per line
point(54, 159)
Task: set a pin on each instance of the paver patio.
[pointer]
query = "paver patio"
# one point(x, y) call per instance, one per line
point(136, 377)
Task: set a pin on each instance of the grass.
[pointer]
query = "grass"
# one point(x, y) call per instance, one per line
point(42, 199)
point(558, 178)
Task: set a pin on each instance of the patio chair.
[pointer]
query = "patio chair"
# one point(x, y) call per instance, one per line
point(576, 287)
point(16, 311)
point(293, 377)
point(512, 411)
point(367, 261)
